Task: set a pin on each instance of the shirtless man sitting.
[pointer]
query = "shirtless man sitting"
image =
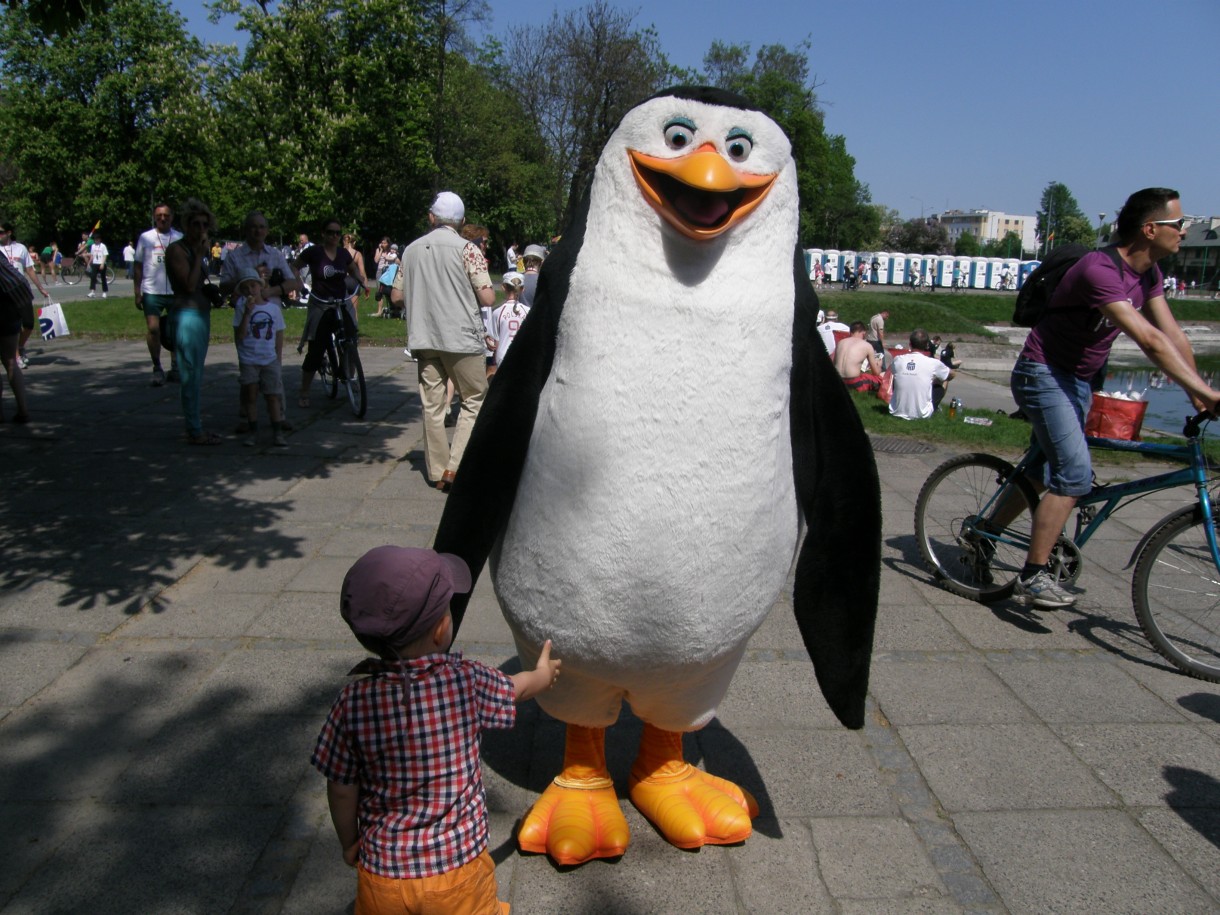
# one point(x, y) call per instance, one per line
point(856, 362)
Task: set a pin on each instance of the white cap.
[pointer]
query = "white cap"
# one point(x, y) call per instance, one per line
point(535, 251)
point(514, 279)
point(449, 207)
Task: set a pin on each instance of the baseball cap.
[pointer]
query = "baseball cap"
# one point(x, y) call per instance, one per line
point(248, 275)
point(448, 206)
point(393, 247)
point(535, 251)
point(514, 279)
point(832, 316)
point(398, 593)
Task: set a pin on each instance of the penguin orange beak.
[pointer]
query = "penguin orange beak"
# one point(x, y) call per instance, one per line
point(700, 194)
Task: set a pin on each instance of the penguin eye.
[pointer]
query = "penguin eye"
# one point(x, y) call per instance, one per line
point(738, 144)
point(679, 133)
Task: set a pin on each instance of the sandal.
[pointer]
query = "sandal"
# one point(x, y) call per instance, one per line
point(204, 438)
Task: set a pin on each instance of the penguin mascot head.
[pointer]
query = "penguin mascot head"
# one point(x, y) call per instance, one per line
point(665, 424)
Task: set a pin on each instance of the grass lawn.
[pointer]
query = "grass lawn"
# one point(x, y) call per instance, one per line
point(116, 318)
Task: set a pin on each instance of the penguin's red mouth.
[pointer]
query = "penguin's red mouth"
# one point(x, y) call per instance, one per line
point(700, 194)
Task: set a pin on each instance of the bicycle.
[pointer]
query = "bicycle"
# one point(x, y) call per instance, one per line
point(74, 270)
point(1175, 588)
point(341, 359)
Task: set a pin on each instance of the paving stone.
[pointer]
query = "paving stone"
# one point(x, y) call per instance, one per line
point(1078, 861)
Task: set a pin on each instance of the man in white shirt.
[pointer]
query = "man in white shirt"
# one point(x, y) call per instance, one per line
point(19, 256)
point(154, 297)
point(98, 255)
point(919, 380)
point(129, 258)
point(826, 330)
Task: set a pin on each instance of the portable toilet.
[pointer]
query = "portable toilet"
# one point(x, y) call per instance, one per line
point(914, 266)
point(882, 273)
point(944, 270)
point(929, 271)
point(812, 256)
point(962, 265)
point(832, 265)
point(994, 266)
point(847, 259)
point(1027, 267)
point(978, 273)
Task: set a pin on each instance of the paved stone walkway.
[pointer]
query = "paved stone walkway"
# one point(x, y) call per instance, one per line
point(170, 642)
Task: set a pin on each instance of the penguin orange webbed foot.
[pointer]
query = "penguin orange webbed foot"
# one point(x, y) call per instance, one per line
point(575, 824)
point(690, 807)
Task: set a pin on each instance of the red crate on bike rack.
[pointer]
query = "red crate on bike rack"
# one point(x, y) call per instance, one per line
point(1115, 417)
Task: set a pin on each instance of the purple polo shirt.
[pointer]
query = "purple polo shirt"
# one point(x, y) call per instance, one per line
point(1073, 335)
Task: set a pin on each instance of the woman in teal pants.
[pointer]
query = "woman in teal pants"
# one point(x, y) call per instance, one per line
point(186, 266)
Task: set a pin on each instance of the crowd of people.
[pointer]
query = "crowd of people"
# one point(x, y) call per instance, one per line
point(440, 284)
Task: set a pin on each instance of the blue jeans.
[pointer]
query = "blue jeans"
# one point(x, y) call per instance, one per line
point(192, 328)
point(1056, 403)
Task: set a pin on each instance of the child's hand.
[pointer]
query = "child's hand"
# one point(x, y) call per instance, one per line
point(528, 684)
point(351, 854)
point(546, 667)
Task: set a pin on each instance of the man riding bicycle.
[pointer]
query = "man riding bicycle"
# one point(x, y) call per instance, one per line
point(329, 265)
point(1095, 301)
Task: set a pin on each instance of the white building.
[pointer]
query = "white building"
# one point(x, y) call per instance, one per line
point(990, 225)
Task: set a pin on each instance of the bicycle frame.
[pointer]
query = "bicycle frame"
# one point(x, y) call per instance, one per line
point(1112, 496)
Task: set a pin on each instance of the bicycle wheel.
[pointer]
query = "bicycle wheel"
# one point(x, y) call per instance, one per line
point(967, 560)
point(1176, 592)
point(109, 273)
point(72, 275)
point(353, 373)
point(328, 370)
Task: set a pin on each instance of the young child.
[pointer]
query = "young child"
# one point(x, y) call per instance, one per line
point(258, 332)
point(506, 320)
point(400, 748)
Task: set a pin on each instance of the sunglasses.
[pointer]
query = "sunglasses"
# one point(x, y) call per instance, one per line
point(1176, 223)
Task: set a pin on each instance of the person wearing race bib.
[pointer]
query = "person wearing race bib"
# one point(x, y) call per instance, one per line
point(154, 296)
point(18, 255)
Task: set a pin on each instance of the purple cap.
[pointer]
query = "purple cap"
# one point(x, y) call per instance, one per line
point(398, 593)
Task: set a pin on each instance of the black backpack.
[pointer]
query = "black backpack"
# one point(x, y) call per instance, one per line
point(1038, 288)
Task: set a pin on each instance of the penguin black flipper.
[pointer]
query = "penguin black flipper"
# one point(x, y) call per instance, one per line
point(838, 572)
point(476, 513)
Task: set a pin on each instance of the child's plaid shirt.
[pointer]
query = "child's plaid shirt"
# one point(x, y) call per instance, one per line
point(409, 735)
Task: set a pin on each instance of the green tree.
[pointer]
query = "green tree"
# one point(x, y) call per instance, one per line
point(329, 112)
point(835, 207)
point(100, 119)
point(967, 245)
point(918, 236)
point(1060, 219)
point(1008, 246)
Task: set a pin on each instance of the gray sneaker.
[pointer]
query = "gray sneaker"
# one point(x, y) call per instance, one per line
point(1044, 592)
point(279, 440)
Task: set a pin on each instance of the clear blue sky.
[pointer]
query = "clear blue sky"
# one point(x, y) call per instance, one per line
point(976, 103)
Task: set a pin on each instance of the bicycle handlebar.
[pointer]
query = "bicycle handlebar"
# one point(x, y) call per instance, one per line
point(1193, 424)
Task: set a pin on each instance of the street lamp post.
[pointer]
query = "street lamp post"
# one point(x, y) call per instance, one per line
point(921, 207)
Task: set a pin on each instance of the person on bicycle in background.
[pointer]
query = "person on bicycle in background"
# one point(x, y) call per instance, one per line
point(329, 265)
point(1093, 303)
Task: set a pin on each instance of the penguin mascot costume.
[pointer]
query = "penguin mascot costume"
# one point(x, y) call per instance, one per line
point(663, 428)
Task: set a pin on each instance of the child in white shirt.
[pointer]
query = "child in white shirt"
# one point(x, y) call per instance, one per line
point(258, 332)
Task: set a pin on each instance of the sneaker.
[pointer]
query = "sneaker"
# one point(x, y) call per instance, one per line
point(158, 378)
point(105, 295)
point(407, 353)
point(279, 440)
point(23, 362)
point(249, 441)
point(1043, 591)
point(172, 376)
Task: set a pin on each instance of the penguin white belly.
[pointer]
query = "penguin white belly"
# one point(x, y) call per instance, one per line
point(656, 519)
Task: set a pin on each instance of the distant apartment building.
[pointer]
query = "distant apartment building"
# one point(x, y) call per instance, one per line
point(989, 225)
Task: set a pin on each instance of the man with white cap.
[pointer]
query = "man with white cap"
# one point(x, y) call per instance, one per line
point(444, 282)
point(534, 256)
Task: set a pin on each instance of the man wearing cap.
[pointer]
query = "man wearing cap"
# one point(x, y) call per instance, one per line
point(827, 329)
point(400, 748)
point(534, 256)
point(445, 281)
